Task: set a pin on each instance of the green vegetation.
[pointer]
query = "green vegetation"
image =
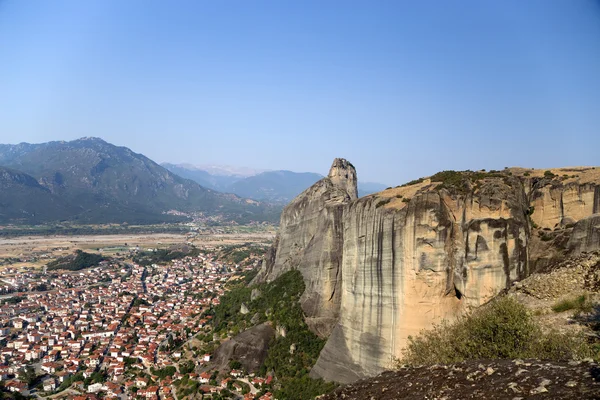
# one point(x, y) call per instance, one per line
point(279, 304)
point(13, 300)
point(237, 253)
point(462, 181)
point(503, 329)
point(186, 367)
point(70, 380)
point(465, 181)
point(248, 276)
point(159, 256)
point(449, 178)
point(27, 375)
point(76, 262)
point(549, 174)
point(580, 303)
point(382, 202)
point(164, 372)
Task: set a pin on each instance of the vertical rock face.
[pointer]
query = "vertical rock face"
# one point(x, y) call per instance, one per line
point(557, 206)
point(409, 264)
point(310, 240)
point(343, 175)
point(586, 235)
point(386, 266)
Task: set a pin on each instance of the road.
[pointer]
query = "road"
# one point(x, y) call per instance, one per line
point(253, 390)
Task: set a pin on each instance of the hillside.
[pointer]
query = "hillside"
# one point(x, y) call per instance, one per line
point(23, 198)
point(101, 182)
point(381, 268)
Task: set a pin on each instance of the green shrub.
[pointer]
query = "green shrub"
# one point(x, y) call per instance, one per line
point(580, 303)
point(413, 182)
point(502, 329)
point(549, 174)
point(449, 178)
point(382, 202)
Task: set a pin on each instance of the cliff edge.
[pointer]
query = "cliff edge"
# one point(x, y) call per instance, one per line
point(383, 267)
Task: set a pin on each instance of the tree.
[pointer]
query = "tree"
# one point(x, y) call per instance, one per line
point(27, 375)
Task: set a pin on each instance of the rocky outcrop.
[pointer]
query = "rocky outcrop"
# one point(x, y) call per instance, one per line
point(409, 264)
point(586, 235)
point(381, 268)
point(249, 348)
point(486, 379)
point(310, 240)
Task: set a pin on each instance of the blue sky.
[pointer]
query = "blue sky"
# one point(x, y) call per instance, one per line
point(400, 88)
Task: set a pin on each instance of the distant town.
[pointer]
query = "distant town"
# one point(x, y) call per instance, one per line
point(119, 330)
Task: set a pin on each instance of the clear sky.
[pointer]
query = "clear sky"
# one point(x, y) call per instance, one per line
point(400, 88)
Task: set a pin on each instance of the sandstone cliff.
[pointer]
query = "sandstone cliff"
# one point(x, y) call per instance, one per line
point(310, 239)
point(386, 266)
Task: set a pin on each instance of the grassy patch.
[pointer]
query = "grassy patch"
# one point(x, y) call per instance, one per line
point(503, 329)
point(580, 303)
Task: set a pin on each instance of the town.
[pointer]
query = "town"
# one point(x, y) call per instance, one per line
point(121, 330)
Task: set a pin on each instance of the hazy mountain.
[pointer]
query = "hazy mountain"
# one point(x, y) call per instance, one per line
point(274, 186)
point(204, 178)
point(106, 183)
point(229, 170)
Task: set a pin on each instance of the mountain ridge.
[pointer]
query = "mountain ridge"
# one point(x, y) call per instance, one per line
point(114, 184)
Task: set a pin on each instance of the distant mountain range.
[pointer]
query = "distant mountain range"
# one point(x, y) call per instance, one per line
point(92, 181)
point(270, 186)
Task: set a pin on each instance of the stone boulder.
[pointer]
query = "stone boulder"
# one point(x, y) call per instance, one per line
point(249, 348)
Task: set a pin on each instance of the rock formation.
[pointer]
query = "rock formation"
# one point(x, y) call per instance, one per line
point(310, 240)
point(383, 267)
point(486, 379)
point(249, 348)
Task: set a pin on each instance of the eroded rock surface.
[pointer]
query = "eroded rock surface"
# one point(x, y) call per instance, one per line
point(310, 240)
point(383, 267)
point(249, 348)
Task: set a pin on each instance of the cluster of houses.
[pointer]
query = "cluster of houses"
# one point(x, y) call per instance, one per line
point(105, 331)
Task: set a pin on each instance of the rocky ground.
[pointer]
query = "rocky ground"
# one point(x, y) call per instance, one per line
point(489, 379)
point(573, 277)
